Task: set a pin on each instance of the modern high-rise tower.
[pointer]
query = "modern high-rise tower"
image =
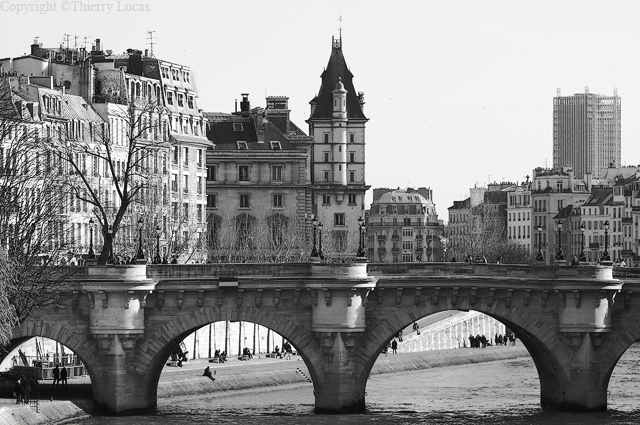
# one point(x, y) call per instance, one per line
point(337, 124)
point(586, 132)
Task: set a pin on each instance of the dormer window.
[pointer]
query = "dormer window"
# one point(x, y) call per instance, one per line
point(242, 145)
point(237, 126)
point(276, 146)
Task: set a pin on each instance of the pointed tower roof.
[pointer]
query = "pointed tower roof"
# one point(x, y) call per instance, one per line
point(336, 69)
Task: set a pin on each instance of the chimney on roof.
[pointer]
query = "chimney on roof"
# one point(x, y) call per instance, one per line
point(245, 106)
point(98, 46)
point(146, 52)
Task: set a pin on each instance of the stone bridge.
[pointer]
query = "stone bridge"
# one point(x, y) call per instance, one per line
point(125, 321)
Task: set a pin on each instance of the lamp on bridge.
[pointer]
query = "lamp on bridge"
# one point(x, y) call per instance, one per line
point(314, 251)
point(158, 260)
point(539, 256)
point(140, 255)
point(605, 254)
point(111, 232)
point(361, 227)
point(320, 253)
point(583, 257)
point(560, 255)
point(91, 255)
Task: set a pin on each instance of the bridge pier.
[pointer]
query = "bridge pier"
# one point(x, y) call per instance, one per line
point(119, 389)
point(338, 320)
point(340, 391)
point(117, 301)
point(581, 389)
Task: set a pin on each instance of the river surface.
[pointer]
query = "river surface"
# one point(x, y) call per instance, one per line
point(499, 392)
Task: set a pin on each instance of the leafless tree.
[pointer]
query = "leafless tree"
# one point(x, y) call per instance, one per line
point(486, 236)
point(120, 163)
point(32, 199)
point(247, 239)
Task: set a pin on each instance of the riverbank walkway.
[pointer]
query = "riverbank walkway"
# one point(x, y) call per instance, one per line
point(234, 375)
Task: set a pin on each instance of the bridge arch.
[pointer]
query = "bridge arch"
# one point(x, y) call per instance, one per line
point(85, 349)
point(541, 341)
point(158, 348)
point(614, 346)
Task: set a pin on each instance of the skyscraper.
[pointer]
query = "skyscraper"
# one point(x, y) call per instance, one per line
point(586, 132)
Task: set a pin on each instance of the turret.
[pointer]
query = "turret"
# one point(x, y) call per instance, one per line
point(339, 131)
point(339, 101)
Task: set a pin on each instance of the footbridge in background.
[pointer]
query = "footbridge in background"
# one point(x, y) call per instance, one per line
point(125, 321)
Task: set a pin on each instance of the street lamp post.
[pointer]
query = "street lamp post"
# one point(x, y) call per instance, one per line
point(158, 260)
point(314, 251)
point(583, 257)
point(91, 255)
point(112, 259)
point(361, 228)
point(605, 254)
point(320, 253)
point(539, 256)
point(560, 255)
point(140, 255)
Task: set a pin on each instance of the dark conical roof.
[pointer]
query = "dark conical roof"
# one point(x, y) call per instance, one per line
point(336, 69)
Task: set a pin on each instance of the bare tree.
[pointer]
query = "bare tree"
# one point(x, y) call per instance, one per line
point(119, 164)
point(247, 239)
point(485, 236)
point(33, 197)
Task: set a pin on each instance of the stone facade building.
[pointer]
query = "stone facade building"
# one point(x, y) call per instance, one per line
point(337, 126)
point(258, 177)
point(403, 227)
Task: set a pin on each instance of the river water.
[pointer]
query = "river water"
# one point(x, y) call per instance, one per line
point(499, 392)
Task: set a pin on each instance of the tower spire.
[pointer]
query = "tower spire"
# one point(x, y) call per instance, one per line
point(340, 28)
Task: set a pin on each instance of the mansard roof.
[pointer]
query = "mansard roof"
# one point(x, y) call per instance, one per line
point(225, 133)
point(600, 196)
point(337, 68)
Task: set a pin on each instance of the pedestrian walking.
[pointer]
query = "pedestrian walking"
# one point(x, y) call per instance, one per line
point(394, 347)
point(56, 376)
point(17, 391)
point(63, 377)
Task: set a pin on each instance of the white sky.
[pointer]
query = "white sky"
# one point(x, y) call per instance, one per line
point(457, 92)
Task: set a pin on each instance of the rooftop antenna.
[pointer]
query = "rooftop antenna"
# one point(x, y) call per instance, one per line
point(85, 41)
point(75, 41)
point(150, 38)
point(340, 28)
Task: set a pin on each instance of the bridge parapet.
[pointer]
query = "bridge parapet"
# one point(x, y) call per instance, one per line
point(582, 272)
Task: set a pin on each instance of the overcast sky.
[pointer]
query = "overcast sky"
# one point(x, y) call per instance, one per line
point(457, 92)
